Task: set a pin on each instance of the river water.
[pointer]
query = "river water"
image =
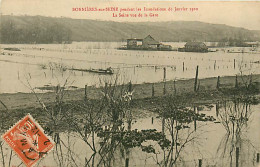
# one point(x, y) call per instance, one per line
point(42, 65)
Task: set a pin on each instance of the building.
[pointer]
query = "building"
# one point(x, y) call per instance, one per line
point(148, 43)
point(194, 47)
point(134, 43)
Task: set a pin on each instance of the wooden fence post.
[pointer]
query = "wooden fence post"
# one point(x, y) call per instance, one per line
point(174, 87)
point(126, 162)
point(152, 89)
point(200, 162)
point(237, 156)
point(164, 88)
point(86, 97)
point(130, 87)
point(236, 83)
point(164, 74)
point(218, 82)
point(105, 91)
point(196, 79)
point(164, 80)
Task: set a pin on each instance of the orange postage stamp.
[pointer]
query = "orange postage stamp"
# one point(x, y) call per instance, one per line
point(28, 140)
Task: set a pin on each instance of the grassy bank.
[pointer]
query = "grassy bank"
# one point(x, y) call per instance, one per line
point(19, 104)
point(140, 91)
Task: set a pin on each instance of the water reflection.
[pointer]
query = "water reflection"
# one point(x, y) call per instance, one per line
point(105, 133)
point(180, 123)
point(235, 148)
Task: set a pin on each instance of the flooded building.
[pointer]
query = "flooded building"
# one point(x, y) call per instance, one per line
point(150, 42)
point(194, 47)
point(147, 43)
point(134, 43)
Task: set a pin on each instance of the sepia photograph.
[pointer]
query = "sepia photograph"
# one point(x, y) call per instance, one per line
point(118, 83)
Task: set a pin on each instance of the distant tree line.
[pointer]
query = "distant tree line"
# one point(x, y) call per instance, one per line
point(34, 33)
point(235, 42)
point(40, 29)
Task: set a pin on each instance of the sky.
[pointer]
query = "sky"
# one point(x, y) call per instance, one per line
point(238, 14)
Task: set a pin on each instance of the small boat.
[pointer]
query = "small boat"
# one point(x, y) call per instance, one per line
point(12, 49)
point(102, 71)
point(108, 71)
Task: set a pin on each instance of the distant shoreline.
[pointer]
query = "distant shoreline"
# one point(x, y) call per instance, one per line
point(124, 41)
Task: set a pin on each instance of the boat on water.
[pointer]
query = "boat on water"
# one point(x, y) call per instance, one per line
point(12, 49)
point(108, 71)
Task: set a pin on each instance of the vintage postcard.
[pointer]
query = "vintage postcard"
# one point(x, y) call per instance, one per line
point(129, 83)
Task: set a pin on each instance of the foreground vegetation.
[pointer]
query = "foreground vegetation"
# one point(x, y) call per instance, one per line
point(105, 124)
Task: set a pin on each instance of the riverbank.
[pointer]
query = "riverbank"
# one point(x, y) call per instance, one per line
point(140, 91)
point(143, 105)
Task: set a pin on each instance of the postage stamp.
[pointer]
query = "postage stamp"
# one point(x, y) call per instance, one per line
point(28, 140)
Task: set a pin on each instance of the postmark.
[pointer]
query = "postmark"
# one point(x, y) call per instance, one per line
point(28, 140)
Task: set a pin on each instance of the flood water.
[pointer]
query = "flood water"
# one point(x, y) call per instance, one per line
point(232, 140)
point(40, 65)
point(210, 142)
